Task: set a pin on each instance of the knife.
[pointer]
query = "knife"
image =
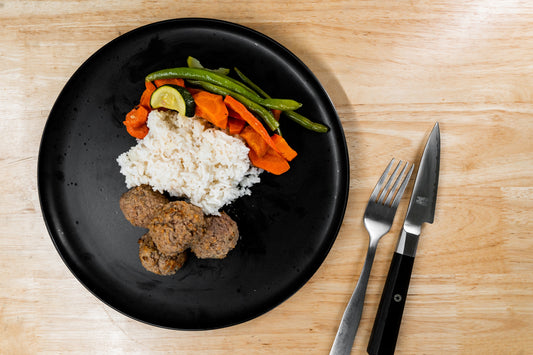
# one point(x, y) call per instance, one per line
point(421, 209)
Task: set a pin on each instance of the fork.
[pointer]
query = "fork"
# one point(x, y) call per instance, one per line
point(378, 218)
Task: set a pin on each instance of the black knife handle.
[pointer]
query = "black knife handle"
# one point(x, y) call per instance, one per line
point(389, 316)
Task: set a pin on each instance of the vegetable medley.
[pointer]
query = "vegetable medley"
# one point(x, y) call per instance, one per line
point(238, 106)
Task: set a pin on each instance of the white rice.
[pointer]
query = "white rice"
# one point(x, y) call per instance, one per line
point(186, 158)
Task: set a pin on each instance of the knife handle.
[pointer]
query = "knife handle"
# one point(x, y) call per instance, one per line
point(389, 316)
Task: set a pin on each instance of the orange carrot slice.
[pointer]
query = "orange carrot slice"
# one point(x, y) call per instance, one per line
point(193, 91)
point(147, 94)
point(254, 141)
point(234, 114)
point(271, 162)
point(175, 81)
point(136, 122)
point(137, 117)
point(277, 114)
point(212, 108)
point(250, 119)
point(235, 125)
point(285, 150)
point(137, 132)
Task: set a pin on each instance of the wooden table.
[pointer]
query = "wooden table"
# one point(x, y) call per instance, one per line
point(392, 69)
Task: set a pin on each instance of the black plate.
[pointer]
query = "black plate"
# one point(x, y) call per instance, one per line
point(287, 225)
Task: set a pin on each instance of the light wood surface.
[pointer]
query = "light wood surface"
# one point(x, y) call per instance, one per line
point(392, 68)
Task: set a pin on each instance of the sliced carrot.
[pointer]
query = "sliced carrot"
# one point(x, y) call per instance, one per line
point(136, 122)
point(193, 91)
point(286, 151)
point(235, 125)
point(250, 119)
point(212, 108)
point(234, 114)
point(277, 114)
point(254, 141)
point(137, 132)
point(147, 94)
point(137, 117)
point(175, 81)
point(271, 162)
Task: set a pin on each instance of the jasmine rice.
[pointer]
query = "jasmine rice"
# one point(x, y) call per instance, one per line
point(186, 157)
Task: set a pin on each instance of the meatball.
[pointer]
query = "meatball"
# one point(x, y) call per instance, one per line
point(140, 204)
point(220, 237)
point(175, 226)
point(154, 261)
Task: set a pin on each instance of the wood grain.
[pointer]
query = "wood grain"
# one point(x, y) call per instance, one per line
point(392, 69)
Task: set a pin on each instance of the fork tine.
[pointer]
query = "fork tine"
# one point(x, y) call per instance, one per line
point(392, 191)
point(398, 197)
point(380, 182)
point(391, 178)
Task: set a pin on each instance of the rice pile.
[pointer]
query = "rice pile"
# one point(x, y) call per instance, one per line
point(186, 158)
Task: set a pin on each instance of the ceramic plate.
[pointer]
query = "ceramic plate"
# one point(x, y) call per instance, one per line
point(287, 225)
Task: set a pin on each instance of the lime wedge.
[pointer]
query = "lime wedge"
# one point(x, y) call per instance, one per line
point(175, 98)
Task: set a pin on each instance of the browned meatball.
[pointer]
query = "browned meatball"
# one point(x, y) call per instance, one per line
point(154, 261)
point(140, 204)
point(220, 237)
point(175, 226)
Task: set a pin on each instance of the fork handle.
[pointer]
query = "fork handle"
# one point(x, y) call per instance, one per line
point(344, 339)
point(389, 316)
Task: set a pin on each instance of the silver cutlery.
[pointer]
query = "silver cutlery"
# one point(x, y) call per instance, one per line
point(421, 209)
point(378, 218)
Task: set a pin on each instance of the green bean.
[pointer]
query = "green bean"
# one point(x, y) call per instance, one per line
point(306, 122)
point(280, 104)
point(296, 117)
point(250, 83)
point(263, 113)
point(204, 75)
point(269, 102)
point(195, 63)
point(225, 82)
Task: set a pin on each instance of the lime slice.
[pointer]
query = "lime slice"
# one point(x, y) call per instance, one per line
point(175, 98)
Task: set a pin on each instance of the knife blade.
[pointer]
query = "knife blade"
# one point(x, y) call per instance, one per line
point(421, 210)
